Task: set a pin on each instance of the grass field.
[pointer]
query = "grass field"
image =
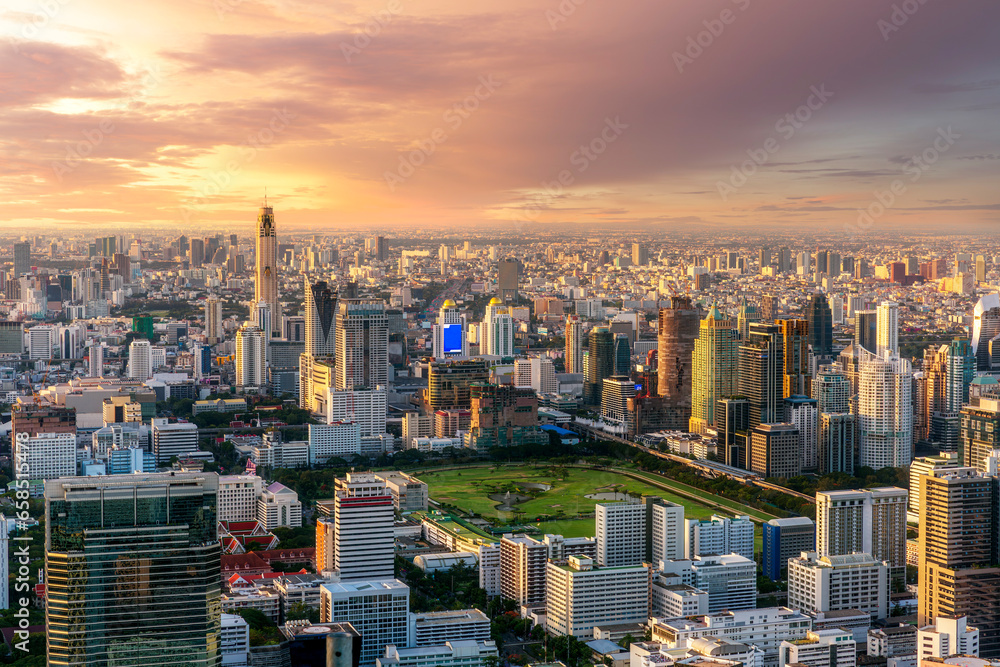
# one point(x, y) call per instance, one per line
point(470, 488)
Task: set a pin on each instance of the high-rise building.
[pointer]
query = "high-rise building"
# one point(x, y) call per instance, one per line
point(719, 535)
point(580, 596)
point(831, 389)
point(621, 533)
point(449, 383)
point(45, 456)
point(95, 358)
point(450, 333)
point(362, 331)
point(133, 570)
point(251, 364)
point(775, 450)
point(213, 319)
point(820, 325)
point(836, 447)
point(749, 312)
point(985, 327)
point(497, 336)
point(760, 362)
point(320, 319)
point(666, 530)
point(885, 411)
point(377, 610)
point(784, 539)
point(140, 365)
point(848, 582)
point(801, 411)
point(623, 354)
point(261, 316)
point(866, 329)
point(600, 364)
point(795, 349)
point(888, 327)
point(522, 569)
point(958, 568)
point(923, 465)
point(979, 432)
point(363, 542)
point(508, 273)
point(679, 326)
point(732, 423)
point(22, 259)
point(871, 521)
point(266, 270)
point(640, 255)
point(713, 368)
point(574, 344)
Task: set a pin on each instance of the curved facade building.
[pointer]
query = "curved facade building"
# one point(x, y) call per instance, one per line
point(985, 326)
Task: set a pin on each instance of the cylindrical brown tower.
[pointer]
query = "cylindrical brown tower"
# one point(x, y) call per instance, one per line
point(678, 329)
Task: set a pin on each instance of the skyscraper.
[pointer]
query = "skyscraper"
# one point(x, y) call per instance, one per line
point(749, 312)
point(574, 344)
point(866, 329)
point(958, 568)
point(497, 337)
point(640, 255)
point(320, 336)
point(871, 521)
point(213, 319)
point(362, 344)
point(363, 542)
point(831, 389)
point(251, 359)
point(885, 411)
point(22, 259)
point(820, 319)
point(450, 334)
point(133, 573)
point(621, 533)
point(140, 360)
point(679, 325)
point(836, 442)
point(623, 354)
point(795, 348)
point(888, 327)
point(600, 364)
point(266, 272)
point(507, 279)
point(760, 360)
point(985, 327)
point(262, 318)
point(713, 368)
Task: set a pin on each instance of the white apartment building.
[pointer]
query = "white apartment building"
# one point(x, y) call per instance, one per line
point(676, 600)
point(730, 581)
point(765, 628)
point(457, 653)
point(719, 535)
point(561, 548)
point(235, 644)
point(340, 439)
point(45, 456)
point(171, 440)
point(279, 506)
point(416, 425)
point(367, 408)
point(537, 373)
point(621, 533)
point(871, 521)
point(139, 360)
point(668, 531)
point(238, 497)
point(251, 356)
point(837, 583)
point(885, 410)
point(579, 596)
point(378, 610)
point(947, 637)
point(489, 568)
point(820, 648)
point(434, 628)
point(363, 541)
point(522, 569)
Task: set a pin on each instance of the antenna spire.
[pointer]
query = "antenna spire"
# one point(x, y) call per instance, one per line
point(265, 196)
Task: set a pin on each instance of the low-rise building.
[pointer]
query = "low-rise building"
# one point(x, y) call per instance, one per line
point(457, 653)
point(409, 494)
point(784, 539)
point(820, 648)
point(892, 641)
point(674, 600)
point(279, 506)
point(947, 637)
point(434, 628)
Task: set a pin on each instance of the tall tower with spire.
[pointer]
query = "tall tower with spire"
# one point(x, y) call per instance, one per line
point(266, 272)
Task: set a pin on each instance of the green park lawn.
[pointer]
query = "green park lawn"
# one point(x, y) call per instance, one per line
point(469, 489)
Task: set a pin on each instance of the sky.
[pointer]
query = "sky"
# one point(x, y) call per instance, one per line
point(862, 116)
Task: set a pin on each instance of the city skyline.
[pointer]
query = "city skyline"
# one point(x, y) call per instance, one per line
point(348, 115)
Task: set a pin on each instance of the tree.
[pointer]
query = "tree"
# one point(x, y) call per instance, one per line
point(300, 611)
